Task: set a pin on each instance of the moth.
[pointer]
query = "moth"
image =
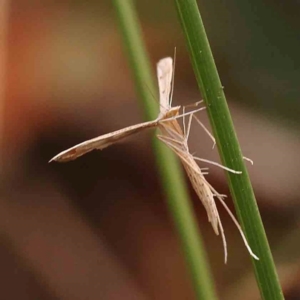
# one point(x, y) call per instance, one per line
point(177, 140)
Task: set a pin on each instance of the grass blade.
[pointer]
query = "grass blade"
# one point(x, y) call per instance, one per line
point(229, 149)
point(170, 170)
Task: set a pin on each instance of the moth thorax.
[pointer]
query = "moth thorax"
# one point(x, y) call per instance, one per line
point(173, 112)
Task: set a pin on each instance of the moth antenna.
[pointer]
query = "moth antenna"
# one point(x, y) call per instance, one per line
point(150, 91)
point(173, 77)
point(217, 164)
point(153, 96)
point(183, 120)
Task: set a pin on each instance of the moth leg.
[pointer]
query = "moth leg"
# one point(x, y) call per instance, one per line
point(223, 237)
point(181, 115)
point(183, 120)
point(201, 124)
point(248, 159)
point(219, 195)
point(170, 131)
point(194, 104)
point(206, 130)
point(163, 137)
point(183, 154)
point(238, 227)
point(217, 164)
point(189, 128)
point(169, 142)
point(183, 109)
point(213, 139)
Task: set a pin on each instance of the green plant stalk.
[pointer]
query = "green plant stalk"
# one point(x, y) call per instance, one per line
point(228, 146)
point(169, 167)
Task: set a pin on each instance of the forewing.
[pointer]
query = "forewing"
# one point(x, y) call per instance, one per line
point(100, 142)
point(164, 75)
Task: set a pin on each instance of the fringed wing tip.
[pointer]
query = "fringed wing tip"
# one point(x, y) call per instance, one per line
point(64, 156)
point(56, 158)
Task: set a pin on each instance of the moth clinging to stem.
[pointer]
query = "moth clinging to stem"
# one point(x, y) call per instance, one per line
point(177, 140)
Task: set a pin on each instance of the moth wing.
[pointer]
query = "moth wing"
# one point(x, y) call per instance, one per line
point(100, 142)
point(164, 75)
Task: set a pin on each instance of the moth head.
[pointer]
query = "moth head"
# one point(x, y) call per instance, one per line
point(173, 112)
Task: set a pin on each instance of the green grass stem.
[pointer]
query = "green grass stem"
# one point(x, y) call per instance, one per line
point(228, 146)
point(170, 170)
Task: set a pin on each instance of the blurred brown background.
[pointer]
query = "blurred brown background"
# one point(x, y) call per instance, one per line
point(98, 227)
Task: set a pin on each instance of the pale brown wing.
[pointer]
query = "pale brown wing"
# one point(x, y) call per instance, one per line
point(101, 142)
point(198, 181)
point(164, 76)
